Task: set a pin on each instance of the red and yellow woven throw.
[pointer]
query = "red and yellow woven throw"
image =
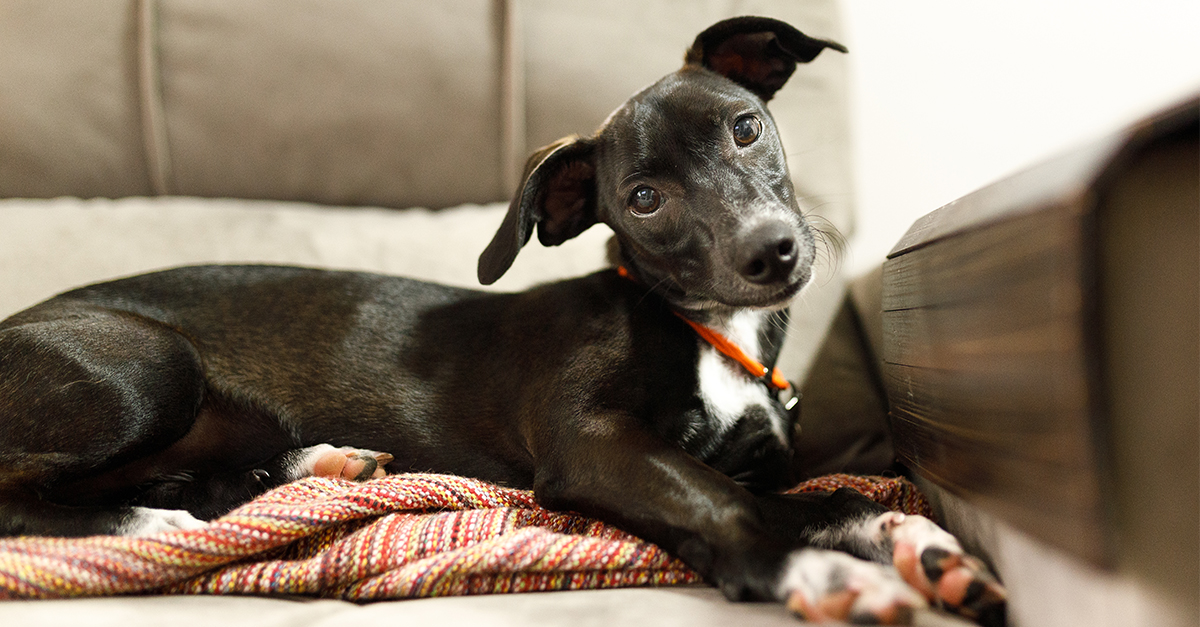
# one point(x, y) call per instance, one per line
point(401, 536)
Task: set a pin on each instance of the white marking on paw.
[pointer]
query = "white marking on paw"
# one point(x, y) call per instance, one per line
point(861, 536)
point(304, 461)
point(876, 536)
point(147, 521)
point(818, 573)
point(918, 531)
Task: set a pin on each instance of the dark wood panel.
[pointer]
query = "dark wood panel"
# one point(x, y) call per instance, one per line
point(990, 371)
point(1027, 262)
point(1038, 354)
point(1054, 501)
point(990, 412)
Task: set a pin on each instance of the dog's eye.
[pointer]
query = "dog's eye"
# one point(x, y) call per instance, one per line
point(645, 200)
point(746, 129)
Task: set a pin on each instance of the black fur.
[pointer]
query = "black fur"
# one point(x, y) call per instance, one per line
point(193, 388)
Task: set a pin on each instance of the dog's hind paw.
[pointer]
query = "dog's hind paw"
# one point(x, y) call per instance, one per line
point(932, 561)
point(355, 464)
point(826, 586)
point(145, 521)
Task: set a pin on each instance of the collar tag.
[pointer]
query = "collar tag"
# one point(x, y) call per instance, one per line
point(789, 397)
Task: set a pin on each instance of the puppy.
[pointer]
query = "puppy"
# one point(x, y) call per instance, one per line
point(644, 396)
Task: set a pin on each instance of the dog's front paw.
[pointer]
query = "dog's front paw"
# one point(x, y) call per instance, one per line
point(825, 586)
point(932, 561)
point(355, 464)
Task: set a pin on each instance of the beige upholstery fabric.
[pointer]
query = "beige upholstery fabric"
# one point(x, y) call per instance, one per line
point(386, 102)
point(394, 103)
point(380, 103)
point(67, 86)
point(632, 607)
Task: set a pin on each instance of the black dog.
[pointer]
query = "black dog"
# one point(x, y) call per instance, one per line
point(126, 405)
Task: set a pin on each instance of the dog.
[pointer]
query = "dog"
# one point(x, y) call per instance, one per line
point(643, 395)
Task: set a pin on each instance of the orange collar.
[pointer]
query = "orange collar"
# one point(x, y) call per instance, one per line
point(728, 348)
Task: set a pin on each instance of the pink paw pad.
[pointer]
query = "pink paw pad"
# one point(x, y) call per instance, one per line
point(350, 463)
point(943, 573)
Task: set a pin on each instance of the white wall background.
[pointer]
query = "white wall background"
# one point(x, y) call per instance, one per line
point(949, 95)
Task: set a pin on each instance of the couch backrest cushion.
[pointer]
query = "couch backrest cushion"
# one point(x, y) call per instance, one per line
point(393, 103)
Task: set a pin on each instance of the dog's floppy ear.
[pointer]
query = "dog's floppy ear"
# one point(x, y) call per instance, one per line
point(758, 53)
point(558, 195)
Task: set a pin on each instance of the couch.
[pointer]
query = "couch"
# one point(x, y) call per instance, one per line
point(372, 135)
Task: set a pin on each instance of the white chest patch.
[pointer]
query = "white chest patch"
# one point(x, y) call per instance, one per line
point(726, 388)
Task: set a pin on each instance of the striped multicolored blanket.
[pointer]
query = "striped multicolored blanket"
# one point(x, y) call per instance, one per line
point(401, 536)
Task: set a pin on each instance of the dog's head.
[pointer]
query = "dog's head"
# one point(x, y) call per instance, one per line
point(689, 173)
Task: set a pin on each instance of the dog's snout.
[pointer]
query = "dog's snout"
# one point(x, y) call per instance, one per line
point(768, 254)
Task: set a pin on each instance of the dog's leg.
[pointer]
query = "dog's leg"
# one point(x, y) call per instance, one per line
point(213, 494)
point(24, 514)
point(174, 500)
point(81, 394)
point(825, 585)
point(613, 468)
point(830, 575)
point(326, 460)
point(915, 550)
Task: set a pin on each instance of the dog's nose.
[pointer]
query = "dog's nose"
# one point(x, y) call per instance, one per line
point(768, 254)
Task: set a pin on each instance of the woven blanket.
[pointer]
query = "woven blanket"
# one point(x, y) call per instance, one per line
point(401, 536)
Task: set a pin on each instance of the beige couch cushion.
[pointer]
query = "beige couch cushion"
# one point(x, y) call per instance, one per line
point(392, 103)
point(387, 102)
